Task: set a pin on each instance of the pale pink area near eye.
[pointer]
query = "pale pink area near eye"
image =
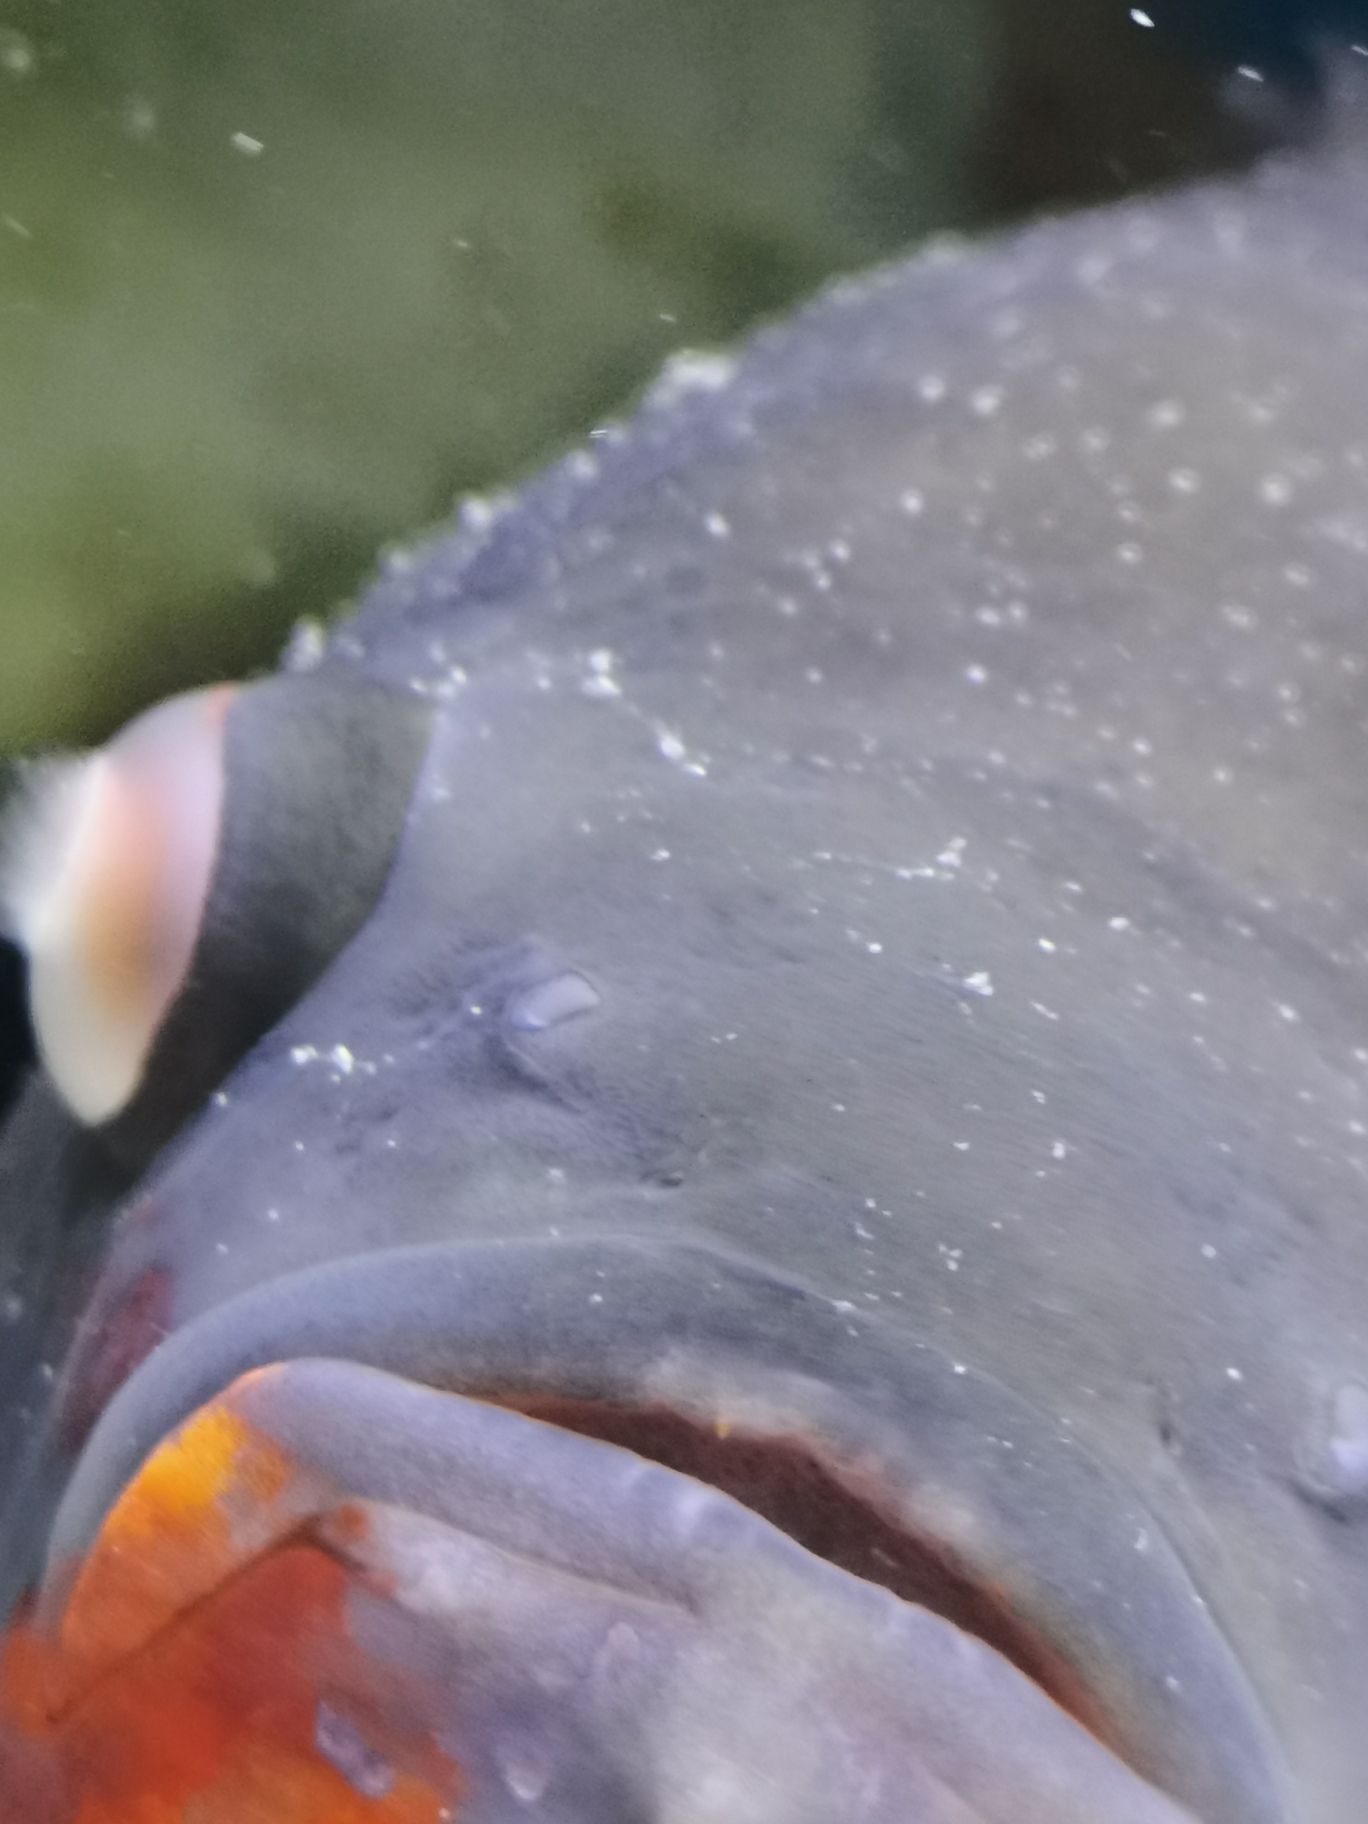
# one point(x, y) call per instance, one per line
point(152, 851)
point(113, 919)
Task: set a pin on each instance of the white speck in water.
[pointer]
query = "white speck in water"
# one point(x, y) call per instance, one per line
point(1059, 1149)
point(1185, 481)
point(1047, 944)
point(1119, 923)
point(932, 388)
point(1140, 17)
point(912, 501)
point(717, 525)
point(980, 982)
point(986, 401)
point(1234, 1374)
point(1248, 71)
point(17, 55)
point(307, 644)
point(247, 145)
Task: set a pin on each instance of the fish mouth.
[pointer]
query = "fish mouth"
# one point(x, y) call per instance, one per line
point(614, 1530)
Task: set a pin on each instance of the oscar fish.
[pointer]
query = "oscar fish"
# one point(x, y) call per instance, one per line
point(711, 1165)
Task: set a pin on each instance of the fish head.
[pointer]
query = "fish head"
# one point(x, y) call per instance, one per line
point(784, 1239)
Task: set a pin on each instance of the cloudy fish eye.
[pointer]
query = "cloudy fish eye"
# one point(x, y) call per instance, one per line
point(175, 891)
point(105, 883)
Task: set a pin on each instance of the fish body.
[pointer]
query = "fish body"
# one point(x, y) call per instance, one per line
point(866, 1008)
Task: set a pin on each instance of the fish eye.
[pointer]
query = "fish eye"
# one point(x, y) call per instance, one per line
point(176, 890)
point(105, 889)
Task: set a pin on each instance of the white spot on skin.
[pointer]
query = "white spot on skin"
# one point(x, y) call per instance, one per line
point(1167, 414)
point(692, 372)
point(600, 681)
point(1275, 490)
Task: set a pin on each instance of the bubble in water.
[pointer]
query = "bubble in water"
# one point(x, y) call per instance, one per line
point(17, 55)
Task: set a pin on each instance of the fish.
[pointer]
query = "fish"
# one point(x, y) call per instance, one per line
point(734, 1187)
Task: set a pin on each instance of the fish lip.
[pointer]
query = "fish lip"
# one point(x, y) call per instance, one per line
point(487, 1604)
point(722, 1342)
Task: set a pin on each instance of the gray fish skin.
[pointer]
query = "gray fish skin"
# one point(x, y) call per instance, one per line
point(895, 819)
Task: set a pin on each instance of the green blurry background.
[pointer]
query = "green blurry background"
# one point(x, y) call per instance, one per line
point(278, 280)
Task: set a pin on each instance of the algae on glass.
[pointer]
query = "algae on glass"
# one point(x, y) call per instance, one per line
point(277, 282)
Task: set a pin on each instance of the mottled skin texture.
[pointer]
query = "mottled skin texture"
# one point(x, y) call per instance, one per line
point(938, 744)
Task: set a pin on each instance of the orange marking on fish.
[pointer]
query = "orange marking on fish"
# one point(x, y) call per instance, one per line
point(216, 1719)
point(216, 1494)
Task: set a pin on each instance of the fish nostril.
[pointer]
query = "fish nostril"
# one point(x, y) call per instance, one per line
point(551, 1003)
point(1335, 1474)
